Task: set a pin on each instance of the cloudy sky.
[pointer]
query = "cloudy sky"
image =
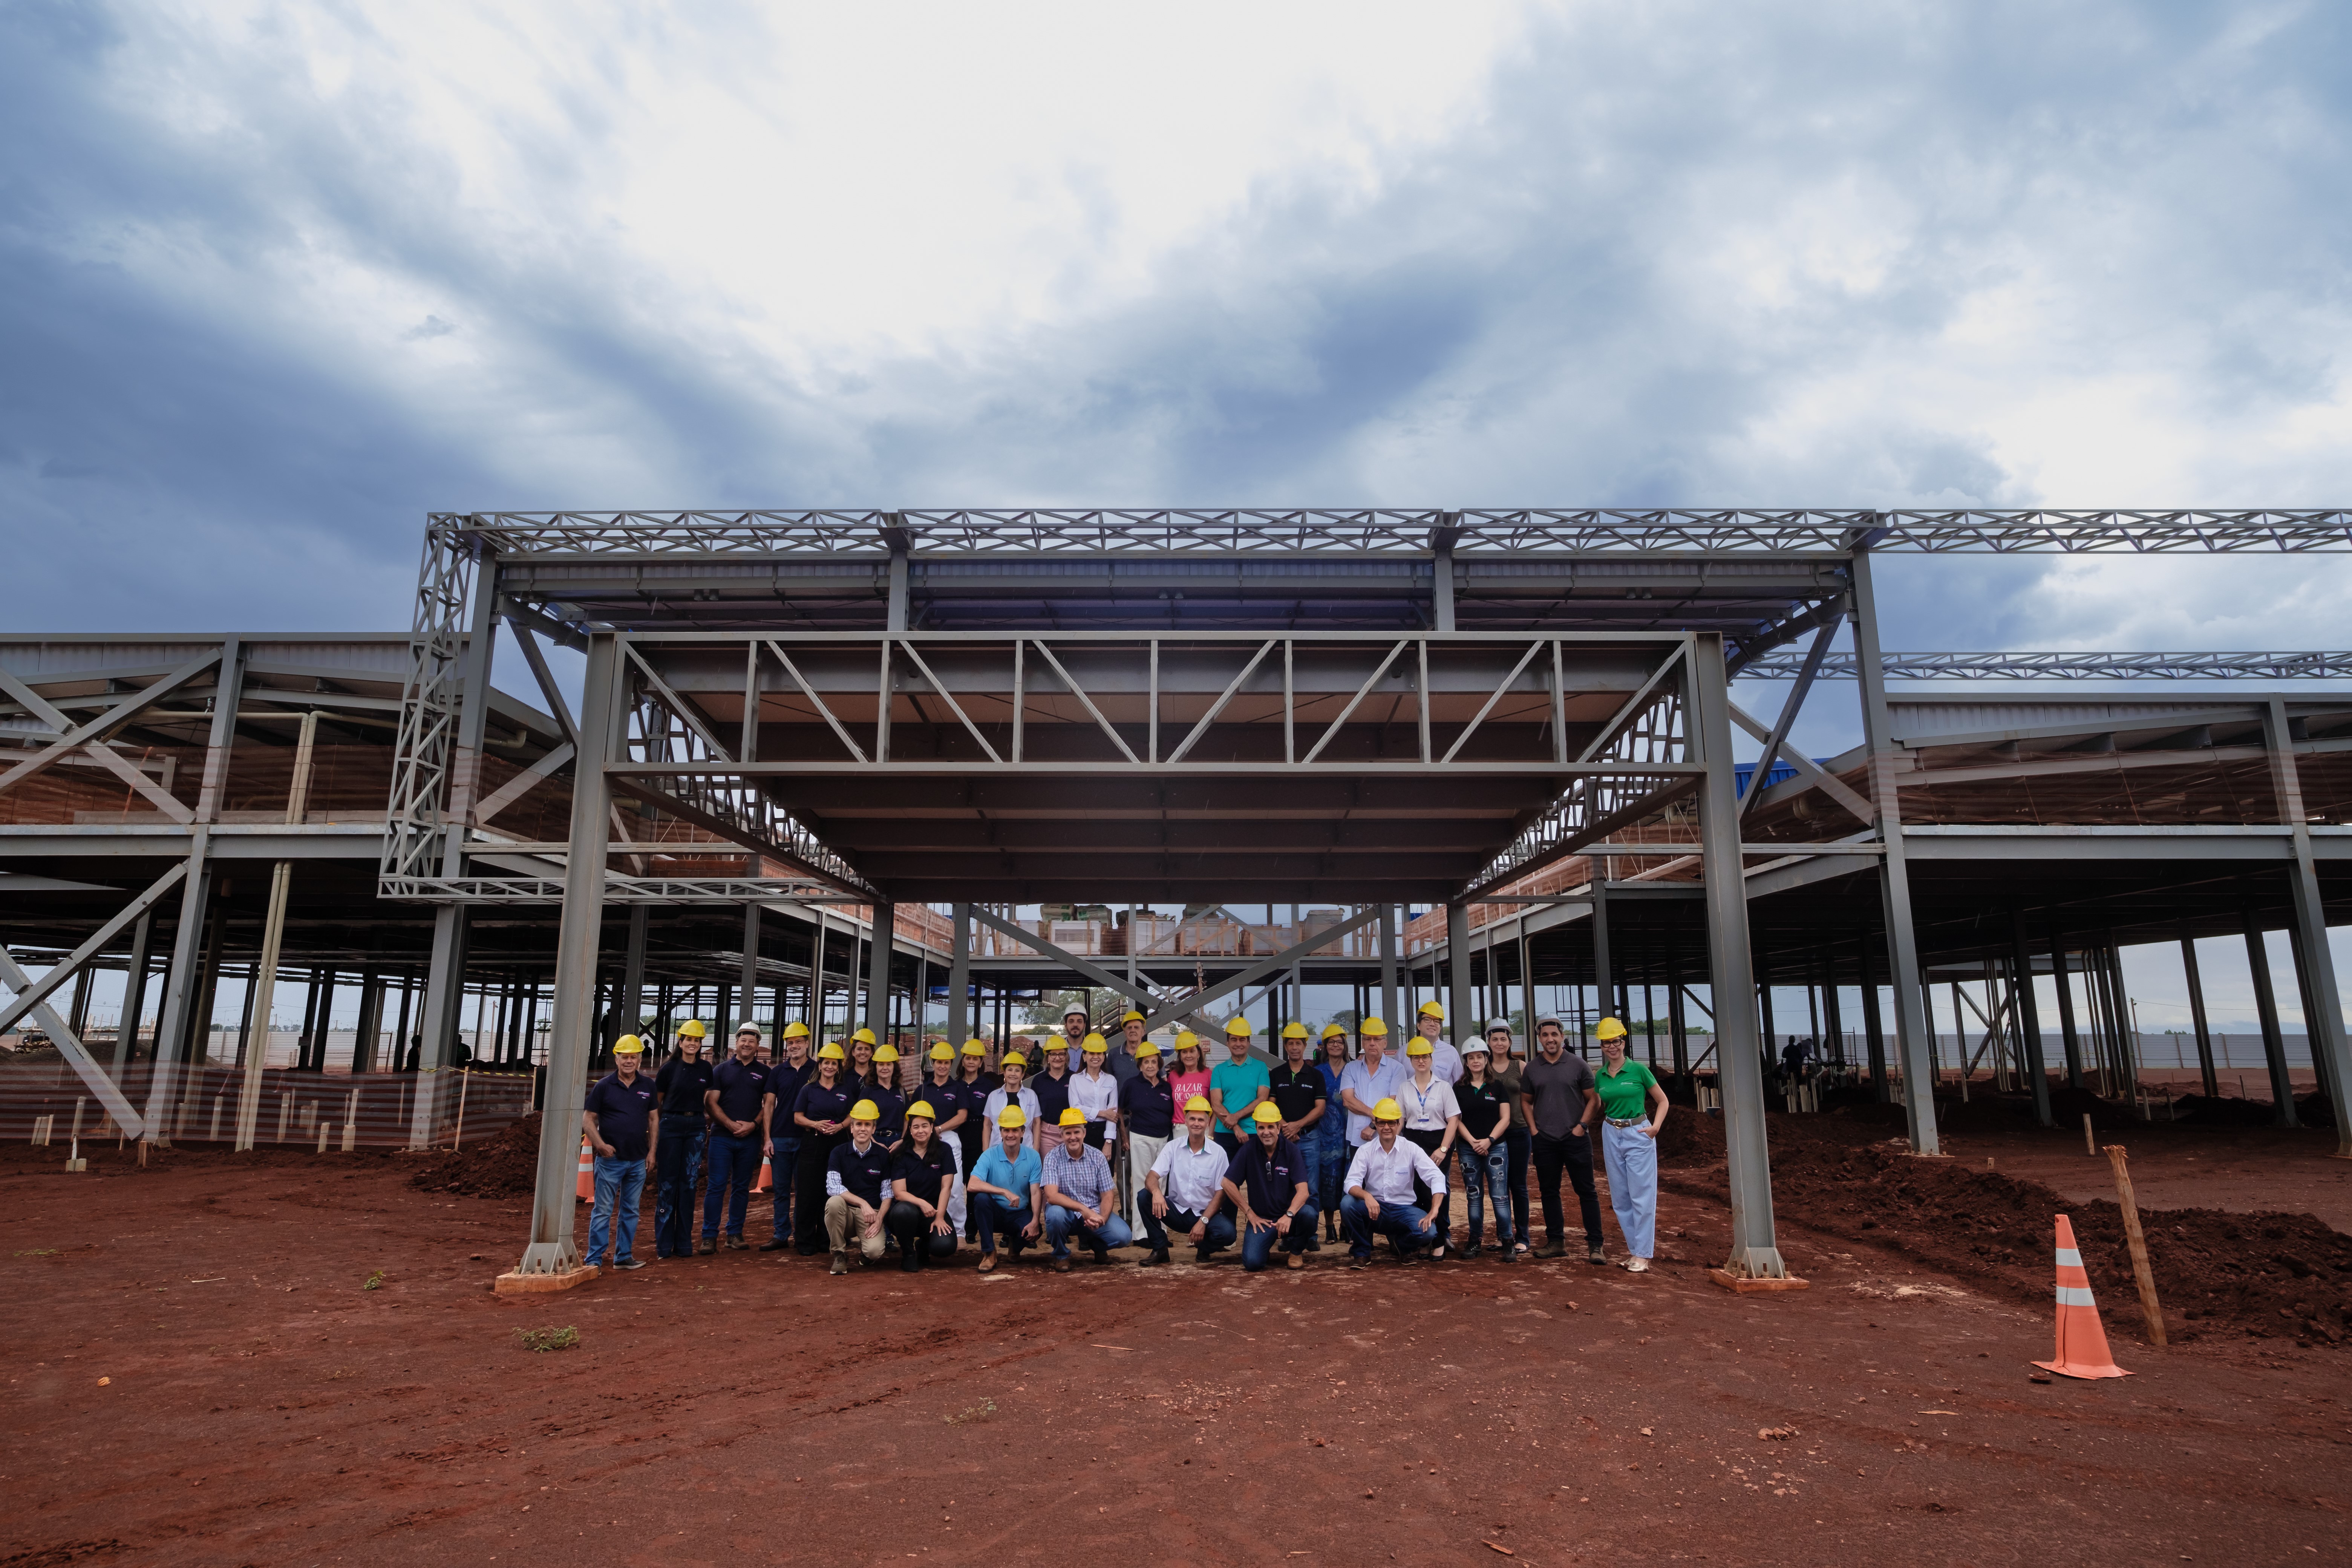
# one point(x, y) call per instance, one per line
point(276, 280)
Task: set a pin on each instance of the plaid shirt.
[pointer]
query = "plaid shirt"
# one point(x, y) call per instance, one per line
point(1083, 1178)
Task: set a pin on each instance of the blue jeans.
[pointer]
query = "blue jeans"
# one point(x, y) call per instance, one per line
point(1257, 1245)
point(619, 1189)
point(677, 1165)
point(996, 1217)
point(1483, 1174)
point(1331, 1154)
point(1520, 1157)
point(783, 1156)
point(1060, 1222)
point(1401, 1223)
point(734, 1166)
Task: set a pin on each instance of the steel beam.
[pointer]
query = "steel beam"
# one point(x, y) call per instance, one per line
point(30, 996)
point(552, 1250)
point(959, 974)
point(69, 1046)
point(1755, 1247)
point(1914, 1040)
point(2016, 666)
point(2331, 1062)
point(880, 947)
point(2197, 1014)
point(2258, 964)
point(1387, 965)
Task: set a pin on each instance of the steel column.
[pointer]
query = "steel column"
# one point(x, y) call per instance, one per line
point(134, 993)
point(552, 1250)
point(1874, 1029)
point(2197, 1015)
point(747, 1002)
point(2258, 961)
point(1388, 923)
point(2029, 1017)
point(630, 1002)
point(1603, 980)
point(959, 974)
point(878, 971)
point(1912, 1039)
point(1755, 1251)
point(1458, 1003)
point(2331, 1060)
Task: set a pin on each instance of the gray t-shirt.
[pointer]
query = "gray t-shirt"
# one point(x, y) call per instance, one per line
point(1556, 1092)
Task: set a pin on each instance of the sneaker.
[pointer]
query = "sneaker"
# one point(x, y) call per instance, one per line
point(1637, 1265)
point(1596, 1255)
point(841, 1263)
point(1359, 1260)
point(774, 1246)
point(630, 1263)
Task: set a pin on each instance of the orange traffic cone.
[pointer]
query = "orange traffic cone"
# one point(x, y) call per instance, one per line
point(764, 1183)
point(587, 1185)
point(2082, 1343)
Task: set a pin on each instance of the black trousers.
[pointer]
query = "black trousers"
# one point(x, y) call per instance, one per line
point(1215, 1239)
point(808, 1195)
point(1421, 1197)
point(909, 1225)
point(1574, 1155)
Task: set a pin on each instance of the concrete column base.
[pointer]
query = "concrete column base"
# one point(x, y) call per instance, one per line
point(517, 1283)
point(1739, 1285)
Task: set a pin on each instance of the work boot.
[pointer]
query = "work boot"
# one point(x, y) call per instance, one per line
point(1552, 1249)
point(737, 1244)
point(1314, 1244)
point(1594, 1255)
point(841, 1263)
point(1061, 1265)
point(774, 1246)
point(1102, 1255)
point(1297, 1260)
point(909, 1261)
point(987, 1263)
point(709, 1245)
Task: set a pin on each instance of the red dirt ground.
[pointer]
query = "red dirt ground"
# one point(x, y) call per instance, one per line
point(261, 1407)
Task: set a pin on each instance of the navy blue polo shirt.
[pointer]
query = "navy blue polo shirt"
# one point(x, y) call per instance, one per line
point(1149, 1107)
point(741, 1086)
point(1271, 1178)
point(624, 1112)
point(861, 1173)
point(947, 1099)
point(784, 1082)
point(819, 1103)
point(1052, 1095)
point(924, 1176)
point(891, 1125)
point(681, 1085)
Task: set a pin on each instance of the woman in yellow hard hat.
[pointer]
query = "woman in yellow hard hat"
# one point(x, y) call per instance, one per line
point(861, 1059)
point(788, 1077)
point(884, 1092)
point(973, 1084)
point(1190, 1076)
point(682, 1082)
point(1015, 1092)
point(821, 1113)
point(1147, 1120)
point(923, 1178)
point(1328, 1148)
point(1632, 1110)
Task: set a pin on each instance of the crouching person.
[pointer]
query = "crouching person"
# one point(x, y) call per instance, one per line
point(1003, 1194)
point(1080, 1196)
point(1185, 1189)
point(1267, 1185)
point(922, 1177)
point(1379, 1192)
point(854, 1179)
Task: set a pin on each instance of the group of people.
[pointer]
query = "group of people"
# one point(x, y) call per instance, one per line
point(1095, 1144)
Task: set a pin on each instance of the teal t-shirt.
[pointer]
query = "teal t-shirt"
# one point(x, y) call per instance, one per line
point(1625, 1092)
point(1241, 1084)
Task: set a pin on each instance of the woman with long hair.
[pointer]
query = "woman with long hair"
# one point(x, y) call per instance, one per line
point(821, 1112)
point(923, 1178)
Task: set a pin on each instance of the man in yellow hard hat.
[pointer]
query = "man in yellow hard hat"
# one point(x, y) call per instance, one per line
point(855, 1180)
point(1299, 1088)
point(785, 1080)
point(1236, 1085)
point(1124, 1060)
point(740, 1105)
point(622, 1118)
point(1267, 1185)
point(1004, 1188)
point(1186, 1189)
point(1080, 1195)
point(1446, 1061)
point(681, 1084)
point(1380, 1191)
point(1363, 1083)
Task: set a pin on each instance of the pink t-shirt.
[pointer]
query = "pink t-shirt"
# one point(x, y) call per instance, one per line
point(1186, 1085)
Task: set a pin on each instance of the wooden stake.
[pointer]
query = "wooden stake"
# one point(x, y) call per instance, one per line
point(2090, 1146)
point(465, 1083)
point(2148, 1310)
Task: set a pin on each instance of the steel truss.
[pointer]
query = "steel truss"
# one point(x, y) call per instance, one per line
point(1250, 531)
point(1783, 665)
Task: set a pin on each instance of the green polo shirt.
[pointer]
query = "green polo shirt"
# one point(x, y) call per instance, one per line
point(1625, 1092)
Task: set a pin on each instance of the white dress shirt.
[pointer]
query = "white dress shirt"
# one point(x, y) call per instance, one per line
point(1094, 1096)
point(1388, 1174)
point(1192, 1180)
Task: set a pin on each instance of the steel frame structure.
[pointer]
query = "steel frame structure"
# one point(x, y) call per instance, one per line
point(1777, 665)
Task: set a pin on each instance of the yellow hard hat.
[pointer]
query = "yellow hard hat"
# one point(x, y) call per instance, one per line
point(796, 1030)
point(831, 1051)
point(1013, 1116)
point(1373, 1027)
point(1071, 1117)
point(1268, 1114)
point(942, 1052)
point(865, 1110)
point(1388, 1110)
point(1198, 1102)
point(1146, 1048)
point(1432, 1010)
point(1331, 1029)
point(692, 1029)
point(1130, 1017)
point(629, 1045)
point(974, 1048)
point(863, 1037)
point(1237, 1025)
point(922, 1108)
point(884, 1053)
point(1093, 1043)
point(1187, 1037)
point(1294, 1030)
point(1013, 1059)
point(1420, 1047)
point(1609, 1029)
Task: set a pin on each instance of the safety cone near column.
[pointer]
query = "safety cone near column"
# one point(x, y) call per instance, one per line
point(763, 1184)
point(586, 1186)
point(2082, 1343)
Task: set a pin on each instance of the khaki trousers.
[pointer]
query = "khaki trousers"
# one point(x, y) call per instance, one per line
point(845, 1224)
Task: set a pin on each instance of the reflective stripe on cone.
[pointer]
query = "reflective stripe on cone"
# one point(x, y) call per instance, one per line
point(2081, 1350)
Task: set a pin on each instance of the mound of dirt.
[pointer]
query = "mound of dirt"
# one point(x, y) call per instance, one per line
point(506, 1167)
point(2260, 1275)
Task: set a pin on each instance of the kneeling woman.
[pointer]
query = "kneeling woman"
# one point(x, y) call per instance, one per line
point(923, 1178)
